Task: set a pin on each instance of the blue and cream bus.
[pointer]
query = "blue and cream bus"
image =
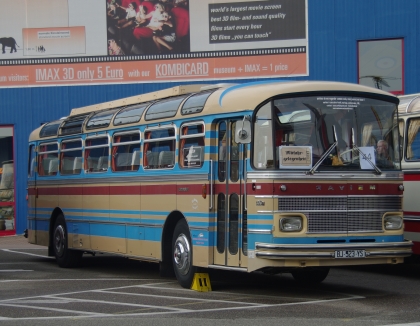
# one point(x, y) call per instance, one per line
point(266, 176)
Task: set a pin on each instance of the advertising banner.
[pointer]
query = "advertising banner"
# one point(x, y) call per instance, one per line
point(74, 42)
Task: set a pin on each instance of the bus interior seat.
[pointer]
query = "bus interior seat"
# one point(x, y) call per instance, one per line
point(53, 166)
point(166, 159)
point(124, 159)
point(135, 160)
point(102, 163)
point(77, 165)
point(67, 165)
point(45, 166)
point(152, 159)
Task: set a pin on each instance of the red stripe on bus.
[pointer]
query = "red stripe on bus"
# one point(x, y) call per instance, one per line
point(48, 191)
point(96, 191)
point(336, 189)
point(412, 226)
point(159, 190)
point(412, 177)
point(412, 213)
point(416, 248)
point(125, 190)
point(70, 191)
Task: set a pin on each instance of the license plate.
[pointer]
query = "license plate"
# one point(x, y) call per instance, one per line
point(350, 254)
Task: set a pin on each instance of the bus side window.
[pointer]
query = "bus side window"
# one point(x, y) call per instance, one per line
point(125, 151)
point(96, 154)
point(191, 148)
point(159, 148)
point(71, 152)
point(413, 140)
point(48, 159)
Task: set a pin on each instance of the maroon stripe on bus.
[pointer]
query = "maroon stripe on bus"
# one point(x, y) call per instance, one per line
point(336, 189)
point(96, 191)
point(412, 177)
point(412, 213)
point(159, 189)
point(125, 190)
point(70, 191)
point(31, 191)
point(47, 191)
point(233, 188)
point(412, 226)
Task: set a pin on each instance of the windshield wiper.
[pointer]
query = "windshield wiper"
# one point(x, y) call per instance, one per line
point(323, 157)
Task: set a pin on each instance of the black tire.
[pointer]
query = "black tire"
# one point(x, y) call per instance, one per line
point(65, 257)
point(310, 275)
point(182, 254)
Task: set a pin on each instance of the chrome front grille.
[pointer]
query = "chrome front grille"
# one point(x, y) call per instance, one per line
point(342, 214)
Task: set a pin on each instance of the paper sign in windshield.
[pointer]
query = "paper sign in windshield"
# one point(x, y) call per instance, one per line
point(295, 157)
point(370, 155)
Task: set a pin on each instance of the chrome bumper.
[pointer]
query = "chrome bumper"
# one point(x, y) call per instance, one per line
point(327, 251)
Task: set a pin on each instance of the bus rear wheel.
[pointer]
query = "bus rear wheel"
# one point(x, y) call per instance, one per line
point(65, 257)
point(310, 275)
point(182, 254)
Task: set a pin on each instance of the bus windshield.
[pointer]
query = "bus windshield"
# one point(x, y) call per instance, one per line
point(344, 132)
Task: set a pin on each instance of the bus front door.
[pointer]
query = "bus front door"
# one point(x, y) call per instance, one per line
point(228, 198)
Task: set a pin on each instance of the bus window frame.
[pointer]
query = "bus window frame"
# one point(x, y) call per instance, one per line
point(65, 141)
point(41, 158)
point(116, 145)
point(148, 141)
point(85, 160)
point(181, 147)
point(406, 129)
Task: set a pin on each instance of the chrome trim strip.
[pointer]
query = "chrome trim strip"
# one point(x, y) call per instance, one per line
point(123, 177)
point(228, 268)
point(199, 228)
point(265, 212)
point(322, 176)
point(271, 255)
point(115, 223)
point(258, 231)
point(339, 196)
point(335, 246)
point(412, 218)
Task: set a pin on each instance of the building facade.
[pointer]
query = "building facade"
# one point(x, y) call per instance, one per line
point(373, 42)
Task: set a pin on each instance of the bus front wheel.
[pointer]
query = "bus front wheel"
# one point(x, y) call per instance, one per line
point(310, 275)
point(182, 254)
point(65, 257)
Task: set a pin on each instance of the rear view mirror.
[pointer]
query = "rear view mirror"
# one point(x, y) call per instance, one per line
point(243, 131)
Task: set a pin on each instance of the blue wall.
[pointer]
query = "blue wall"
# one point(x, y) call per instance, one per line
point(335, 26)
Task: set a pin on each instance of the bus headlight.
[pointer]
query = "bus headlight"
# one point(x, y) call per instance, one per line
point(393, 222)
point(291, 224)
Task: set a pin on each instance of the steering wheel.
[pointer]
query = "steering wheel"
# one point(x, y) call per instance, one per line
point(354, 157)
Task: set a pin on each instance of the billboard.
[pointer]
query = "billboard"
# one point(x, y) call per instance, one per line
point(76, 42)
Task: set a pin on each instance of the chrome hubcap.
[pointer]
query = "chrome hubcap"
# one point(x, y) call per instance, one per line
point(182, 254)
point(59, 240)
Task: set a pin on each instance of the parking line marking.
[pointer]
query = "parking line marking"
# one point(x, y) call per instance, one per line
point(15, 270)
point(27, 253)
point(122, 304)
point(51, 309)
point(180, 298)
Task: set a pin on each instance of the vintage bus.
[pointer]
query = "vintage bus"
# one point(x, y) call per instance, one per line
point(409, 123)
point(263, 176)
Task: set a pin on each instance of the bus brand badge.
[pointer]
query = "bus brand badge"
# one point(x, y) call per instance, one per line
point(372, 187)
point(360, 188)
point(260, 203)
point(194, 203)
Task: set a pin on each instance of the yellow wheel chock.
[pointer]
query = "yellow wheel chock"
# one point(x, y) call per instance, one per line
point(201, 282)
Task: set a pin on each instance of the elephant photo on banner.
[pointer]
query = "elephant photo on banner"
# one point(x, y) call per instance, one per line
point(9, 42)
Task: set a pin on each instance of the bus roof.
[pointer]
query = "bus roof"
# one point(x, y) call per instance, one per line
point(409, 103)
point(224, 98)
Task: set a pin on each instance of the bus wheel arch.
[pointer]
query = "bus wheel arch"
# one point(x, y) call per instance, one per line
point(166, 267)
point(64, 256)
point(182, 254)
point(56, 212)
